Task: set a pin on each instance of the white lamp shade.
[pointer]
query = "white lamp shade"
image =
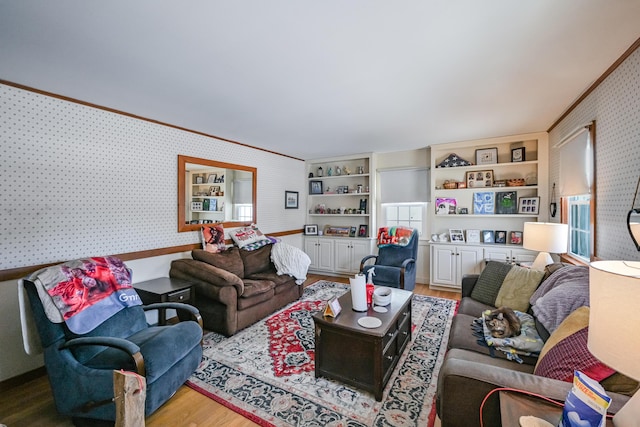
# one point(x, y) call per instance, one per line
point(614, 315)
point(545, 237)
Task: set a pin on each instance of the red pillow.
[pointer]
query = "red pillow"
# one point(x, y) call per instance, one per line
point(570, 354)
point(213, 238)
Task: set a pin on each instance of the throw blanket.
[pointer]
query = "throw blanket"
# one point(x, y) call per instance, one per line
point(290, 260)
point(86, 292)
point(400, 236)
point(526, 344)
point(563, 292)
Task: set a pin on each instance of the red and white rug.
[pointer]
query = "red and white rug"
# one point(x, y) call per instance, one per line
point(266, 372)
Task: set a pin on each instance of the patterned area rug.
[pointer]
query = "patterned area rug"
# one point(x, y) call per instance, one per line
point(266, 371)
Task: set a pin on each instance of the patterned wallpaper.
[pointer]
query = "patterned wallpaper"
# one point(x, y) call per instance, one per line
point(79, 181)
point(615, 107)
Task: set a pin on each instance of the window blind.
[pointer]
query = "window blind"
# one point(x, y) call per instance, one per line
point(576, 164)
point(404, 185)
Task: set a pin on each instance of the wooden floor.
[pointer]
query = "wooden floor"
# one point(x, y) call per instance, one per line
point(31, 404)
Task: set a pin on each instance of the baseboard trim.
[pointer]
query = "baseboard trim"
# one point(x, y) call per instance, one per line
point(22, 378)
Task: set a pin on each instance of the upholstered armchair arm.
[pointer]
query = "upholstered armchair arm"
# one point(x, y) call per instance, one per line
point(365, 259)
point(468, 283)
point(178, 306)
point(120, 343)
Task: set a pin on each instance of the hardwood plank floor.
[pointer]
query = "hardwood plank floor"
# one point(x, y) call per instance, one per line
point(31, 403)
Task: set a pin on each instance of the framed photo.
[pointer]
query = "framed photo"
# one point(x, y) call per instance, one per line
point(463, 211)
point(473, 236)
point(211, 179)
point(501, 236)
point(199, 179)
point(487, 156)
point(479, 179)
point(506, 202)
point(517, 154)
point(488, 236)
point(291, 199)
point(196, 206)
point(315, 187)
point(342, 189)
point(456, 235)
point(213, 204)
point(483, 203)
point(352, 231)
point(529, 205)
point(445, 206)
point(363, 230)
point(214, 190)
point(516, 238)
point(311, 229)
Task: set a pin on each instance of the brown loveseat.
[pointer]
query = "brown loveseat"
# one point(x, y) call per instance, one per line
point(470, 370)
point(235, 288)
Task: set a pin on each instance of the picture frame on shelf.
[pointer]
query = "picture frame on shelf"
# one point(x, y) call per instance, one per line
point(473, 236)
point(311, 229)
point(342, 189)
point(506, 202)
point(456, 235)
point(445, 206)
point(315, 187)
point(352, 231)
point(214, 190)
point(211, 179)
point(500, 236)
point(518, 154)
point(488, 236)
point(487, 156)
point(363, 230)
point(196, 206)
point(529, 205)
point(199, 179)
point(291, 199)
point(213, 205)
point(515, 238)
point(479, 179)
point(484, 203)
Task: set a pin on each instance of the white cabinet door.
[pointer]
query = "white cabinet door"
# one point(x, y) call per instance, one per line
point(497, 254)
point(349, 253)
point(470, 261)
point(321, 253)
point(522, 255)
point(443, 265)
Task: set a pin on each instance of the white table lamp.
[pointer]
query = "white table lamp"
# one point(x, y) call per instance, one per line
point(614, 319)
point(546, 238)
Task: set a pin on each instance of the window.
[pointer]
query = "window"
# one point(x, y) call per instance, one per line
point(244, 212)
point(404, 215)
point(577, 191)
point(579, 220)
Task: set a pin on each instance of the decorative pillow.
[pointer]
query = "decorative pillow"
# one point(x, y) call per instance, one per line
point(518, 286)
point(566, 351)
point(213, 238)
point(489, 283)
point(247, 235)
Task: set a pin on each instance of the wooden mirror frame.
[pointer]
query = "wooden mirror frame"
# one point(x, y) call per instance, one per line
point(182, 201)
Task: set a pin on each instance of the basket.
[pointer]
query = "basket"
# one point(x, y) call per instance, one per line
point(515, 182)
point(450, 185)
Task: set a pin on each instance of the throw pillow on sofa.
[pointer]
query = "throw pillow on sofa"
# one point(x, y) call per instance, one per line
point(566, 351)
point(249, 238)
point(509, 285)
point(213, 238)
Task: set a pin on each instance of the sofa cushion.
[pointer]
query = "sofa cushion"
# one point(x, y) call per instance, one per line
point(257, 261)
point(518, 286)
point(566, 351)
point(229, 260)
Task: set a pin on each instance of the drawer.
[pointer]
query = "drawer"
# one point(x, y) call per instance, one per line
point(180, 296)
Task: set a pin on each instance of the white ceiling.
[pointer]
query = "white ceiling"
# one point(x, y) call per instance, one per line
point(324, 78)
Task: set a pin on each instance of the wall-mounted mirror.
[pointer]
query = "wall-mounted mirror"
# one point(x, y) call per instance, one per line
point(633, 219)
point(211, 191)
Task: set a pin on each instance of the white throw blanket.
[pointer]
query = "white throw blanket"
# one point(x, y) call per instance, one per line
point(290, 260)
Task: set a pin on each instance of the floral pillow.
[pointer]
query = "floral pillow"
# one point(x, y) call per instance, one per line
point(213, 238)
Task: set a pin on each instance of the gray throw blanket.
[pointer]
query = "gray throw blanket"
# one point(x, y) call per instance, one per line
point(564, 291)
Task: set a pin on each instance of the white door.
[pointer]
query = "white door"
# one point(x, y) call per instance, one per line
point(325, 254)
point(343, 256)
point(470, 261)
point(443, 265)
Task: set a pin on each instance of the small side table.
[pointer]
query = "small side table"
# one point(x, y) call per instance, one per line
point(164, 289)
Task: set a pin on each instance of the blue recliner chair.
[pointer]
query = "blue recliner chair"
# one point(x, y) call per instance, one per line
point(80, 367)
point(395, 264)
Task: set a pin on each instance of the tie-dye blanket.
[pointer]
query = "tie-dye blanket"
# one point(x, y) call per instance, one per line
point(84, 293)
point(400, 236)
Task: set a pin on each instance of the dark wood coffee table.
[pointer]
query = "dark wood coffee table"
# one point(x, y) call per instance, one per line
point(359, 356)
